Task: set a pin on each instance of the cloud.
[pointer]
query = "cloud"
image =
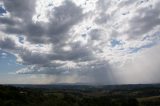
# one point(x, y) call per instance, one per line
point(64, 17)
point(60, 21)
point(3, 55)
point(89, 41)
point(98, 72)
point(146, 20)
point(145, 67)
point(20, 8)
point(7, 43)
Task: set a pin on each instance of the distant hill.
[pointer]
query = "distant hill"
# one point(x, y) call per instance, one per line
point(88, 87)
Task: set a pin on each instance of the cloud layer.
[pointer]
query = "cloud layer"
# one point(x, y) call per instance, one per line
point(92, 41)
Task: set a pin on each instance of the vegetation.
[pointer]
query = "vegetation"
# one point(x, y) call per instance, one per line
point(18, 96)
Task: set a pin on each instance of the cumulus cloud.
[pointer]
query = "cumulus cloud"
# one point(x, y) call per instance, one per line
point(7, 43)
point(20, 8)
point(91, 40)
point(146, 20)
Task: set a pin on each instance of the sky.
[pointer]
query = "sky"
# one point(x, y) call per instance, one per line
point(79, 41)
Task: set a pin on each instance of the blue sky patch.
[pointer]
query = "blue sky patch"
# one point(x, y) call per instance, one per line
point(115, 42)
point(8, 63)
point(2, 10)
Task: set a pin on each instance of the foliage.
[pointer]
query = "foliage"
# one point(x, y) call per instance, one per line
point(16, 96)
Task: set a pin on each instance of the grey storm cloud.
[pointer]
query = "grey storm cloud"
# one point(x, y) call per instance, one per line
point(146, 20)
point(64, 47)
point(61, 20)
point(95, 34)
point(7, 21)
point(7, 44)
point(20, 8)
point(77, 54)
point(30, 58)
